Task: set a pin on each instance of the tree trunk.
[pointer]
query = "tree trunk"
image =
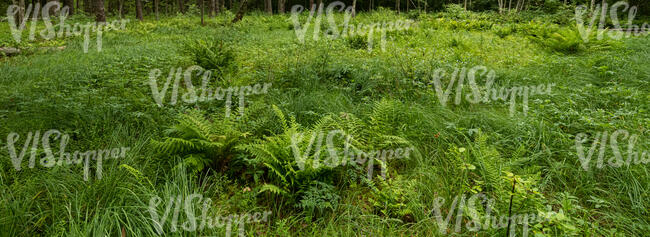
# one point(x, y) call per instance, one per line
point(354, 8)
point(138, 9)
point(88, 8)
point(202, 11)
point(210, 8)
point(121, 8)
point(269, 6)
point(240, 12)
point(155, 5)
point(311, 4)
point(181, 6)
point(53, 10)
point(281, 6)
point(70, 5)
point(20, 16)
point(100, 16)
point(397, 6)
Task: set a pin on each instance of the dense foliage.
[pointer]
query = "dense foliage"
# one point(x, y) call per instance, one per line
point(383, 99)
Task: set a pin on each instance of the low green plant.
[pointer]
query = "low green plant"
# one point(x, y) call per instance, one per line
point(357, 42)
point(200, 143)
point(212, 55)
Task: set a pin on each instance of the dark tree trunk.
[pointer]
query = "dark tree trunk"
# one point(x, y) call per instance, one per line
point(241, 11)
point(138, 9)
point(202, 10)
point(88, 8)
point(20, 16)
point(210, 8)
point(70, 5)
point(397, 5)
point(281, 6)
point(100, 16)
point(156, 3)
point(268, 6)
point(181, 6)
point(121, 8)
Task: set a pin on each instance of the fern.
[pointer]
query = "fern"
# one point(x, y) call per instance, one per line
point(489, 161)
point(285, 169)
point(199, 142)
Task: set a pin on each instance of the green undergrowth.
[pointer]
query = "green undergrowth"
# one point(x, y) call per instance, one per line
point(383, 98)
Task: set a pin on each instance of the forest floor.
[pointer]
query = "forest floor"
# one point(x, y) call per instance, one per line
point(568, 94)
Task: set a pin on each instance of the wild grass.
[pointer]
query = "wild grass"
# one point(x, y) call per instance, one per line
point(102, 99)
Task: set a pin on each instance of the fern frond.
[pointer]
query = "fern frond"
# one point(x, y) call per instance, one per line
point(273, 189)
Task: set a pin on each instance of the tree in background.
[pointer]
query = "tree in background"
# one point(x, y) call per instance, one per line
point(281, 4)
point(240, 12)
point(397, 5)
point(202, 3)
point(268, 6)
point(69, 4)
point(100, 16)
point(138, 9)
point(181, 8)
point(155, 4)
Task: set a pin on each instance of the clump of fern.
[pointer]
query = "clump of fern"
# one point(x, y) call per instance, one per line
point(200, 143)
point(357, 42)
point(390, 198)
point(569, 40)
point(290, 157)
point(502, 31)
point(284, 175)
point(212, 55)
point(490, 163)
